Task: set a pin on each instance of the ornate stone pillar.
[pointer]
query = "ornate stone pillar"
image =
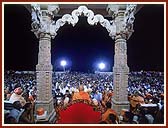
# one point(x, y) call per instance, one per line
point(42, 22)
point(44, 77)
point(120, 75)
point(123, 19)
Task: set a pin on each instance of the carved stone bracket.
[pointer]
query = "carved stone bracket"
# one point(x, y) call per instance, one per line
point(129, 19)
point(42, 19)
point(123, 16)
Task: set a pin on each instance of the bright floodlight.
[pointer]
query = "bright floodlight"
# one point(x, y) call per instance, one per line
point(63, 63)
point(101, 66)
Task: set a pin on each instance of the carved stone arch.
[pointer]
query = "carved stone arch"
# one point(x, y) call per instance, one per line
point(44, 27)
point(92, 19)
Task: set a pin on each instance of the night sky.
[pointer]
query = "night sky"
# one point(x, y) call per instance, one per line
point(83, 46)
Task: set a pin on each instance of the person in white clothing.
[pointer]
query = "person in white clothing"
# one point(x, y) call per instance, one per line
point(16, 96)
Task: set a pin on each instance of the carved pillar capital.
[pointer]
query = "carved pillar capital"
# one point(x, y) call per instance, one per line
point(42, 19)
point(123, 16)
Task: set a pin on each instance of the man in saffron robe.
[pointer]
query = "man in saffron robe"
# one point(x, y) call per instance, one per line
point(81, 94)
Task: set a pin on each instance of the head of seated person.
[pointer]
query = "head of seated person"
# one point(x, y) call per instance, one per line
point(81, 88)
point(112, 118)
point(108, 104)
point(17, 105)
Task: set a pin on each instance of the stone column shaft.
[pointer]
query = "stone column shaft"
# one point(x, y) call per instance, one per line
point(120, 76)
point(120, 69)
point(44, 76)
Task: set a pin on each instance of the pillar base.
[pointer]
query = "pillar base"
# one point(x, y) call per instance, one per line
point(50, 114)
point(118, 106)
point(50, 119)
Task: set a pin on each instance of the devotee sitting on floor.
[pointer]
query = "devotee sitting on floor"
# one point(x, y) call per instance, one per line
point(112, 119)
point(159, 118)
point(135, 101)
point(81, 94)
point(127, 118)
point(15, 113)
point(105, 116)
point(27, 116)
point(98, 96)
point(17, 96)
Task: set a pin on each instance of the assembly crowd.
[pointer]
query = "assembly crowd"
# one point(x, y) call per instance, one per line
point(145, 93)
